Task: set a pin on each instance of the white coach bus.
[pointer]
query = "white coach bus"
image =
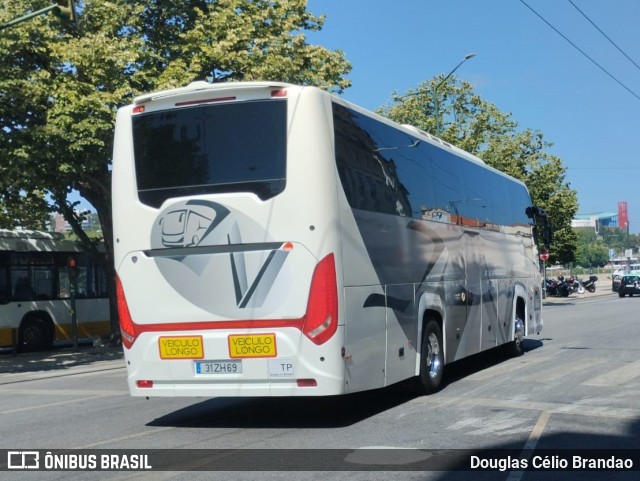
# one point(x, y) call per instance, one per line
point(275, 240)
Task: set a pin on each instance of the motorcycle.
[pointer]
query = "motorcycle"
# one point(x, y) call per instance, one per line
point(575, 285)
point(557, 288)
point(590, 285)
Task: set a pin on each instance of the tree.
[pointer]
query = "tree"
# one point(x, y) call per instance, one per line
point(477, 126)
point(591, 251)
point(60, 86)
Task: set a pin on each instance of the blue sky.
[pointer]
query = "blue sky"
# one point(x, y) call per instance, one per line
point(521, 65)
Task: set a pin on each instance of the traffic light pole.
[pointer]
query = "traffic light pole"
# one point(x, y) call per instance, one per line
point(29, 16)
point(73, 288)
point(64, 9)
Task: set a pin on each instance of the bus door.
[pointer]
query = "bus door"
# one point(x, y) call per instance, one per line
point(471, 296)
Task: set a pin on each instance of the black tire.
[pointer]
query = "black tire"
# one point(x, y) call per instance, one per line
point(34, 334)
point(431, 359)
point(620, 294)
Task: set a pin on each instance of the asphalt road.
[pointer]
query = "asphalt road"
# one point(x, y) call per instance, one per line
point(577, 386)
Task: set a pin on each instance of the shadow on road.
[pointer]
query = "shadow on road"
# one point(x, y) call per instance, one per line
point(58, 358)
point(322, 412)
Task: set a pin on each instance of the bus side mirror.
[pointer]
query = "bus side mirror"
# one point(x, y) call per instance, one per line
point(540, 218)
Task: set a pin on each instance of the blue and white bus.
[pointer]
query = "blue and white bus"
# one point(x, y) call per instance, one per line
point(276, 240)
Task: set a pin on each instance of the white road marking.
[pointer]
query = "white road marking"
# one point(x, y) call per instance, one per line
point(532, 442)
point(556, 372)
point(508, 366)
point(616, 377)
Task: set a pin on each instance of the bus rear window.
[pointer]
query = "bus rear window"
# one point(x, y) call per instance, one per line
point(208, 149)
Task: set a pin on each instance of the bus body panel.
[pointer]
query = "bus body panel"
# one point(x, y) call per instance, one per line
point(93, 318)
point(471, 274)
point(400, 266)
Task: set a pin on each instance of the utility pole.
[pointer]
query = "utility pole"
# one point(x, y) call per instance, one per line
point(435, 90)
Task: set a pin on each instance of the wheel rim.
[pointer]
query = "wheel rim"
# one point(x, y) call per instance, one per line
point(32, 335)
point(519, 332)
point(433, 356)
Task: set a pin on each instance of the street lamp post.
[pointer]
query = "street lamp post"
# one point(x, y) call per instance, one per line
point(435, 90)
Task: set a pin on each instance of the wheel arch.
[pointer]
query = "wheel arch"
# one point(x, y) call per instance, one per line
point(520, 308)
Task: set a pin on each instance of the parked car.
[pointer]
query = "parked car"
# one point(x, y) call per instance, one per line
point(629, 284)
point(623, 271)
point(615, 282)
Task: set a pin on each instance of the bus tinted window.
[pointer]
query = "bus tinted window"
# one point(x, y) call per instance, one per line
point(519, 200)
point(450, 196)
point(414, 169)
point(384, 169)
point(228, 147)
point(366, 154)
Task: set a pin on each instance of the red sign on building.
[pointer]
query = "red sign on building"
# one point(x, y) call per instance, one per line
point(623, 215)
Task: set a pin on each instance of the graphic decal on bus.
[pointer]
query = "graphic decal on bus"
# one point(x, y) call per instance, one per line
point(219, 259)
point(186, 227)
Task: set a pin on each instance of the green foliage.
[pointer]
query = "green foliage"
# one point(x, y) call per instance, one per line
point(593, 248)
point(477, 126)
point(592, 255)
point(60, 87)
point(619, 240)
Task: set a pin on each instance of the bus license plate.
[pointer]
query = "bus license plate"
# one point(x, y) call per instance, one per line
point(223, 366)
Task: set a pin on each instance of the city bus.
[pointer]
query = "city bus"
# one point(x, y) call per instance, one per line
point(37, 272)
point(277, 240)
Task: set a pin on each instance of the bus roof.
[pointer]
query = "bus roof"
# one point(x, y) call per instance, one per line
point(24, 240)
point(201, 85)
point(30, 234)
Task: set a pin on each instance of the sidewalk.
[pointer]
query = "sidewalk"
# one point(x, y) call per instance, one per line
point(600, 292)
point(58, 359)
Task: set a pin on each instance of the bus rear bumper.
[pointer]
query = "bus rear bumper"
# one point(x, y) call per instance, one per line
point(298, 367)
point(235, 389)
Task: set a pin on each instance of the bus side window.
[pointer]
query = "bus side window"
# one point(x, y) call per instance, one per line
point(81, 282)
point(43, 282)
point(23, 290)
point(64, 284)
point(5, 291)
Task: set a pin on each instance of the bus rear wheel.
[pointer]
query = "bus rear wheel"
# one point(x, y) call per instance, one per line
point(515, 348)
point(34, 334)
point(432, 358)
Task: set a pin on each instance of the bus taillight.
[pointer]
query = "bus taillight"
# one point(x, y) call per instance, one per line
point(321, 320)
point(307, 383)
point(127, 327)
